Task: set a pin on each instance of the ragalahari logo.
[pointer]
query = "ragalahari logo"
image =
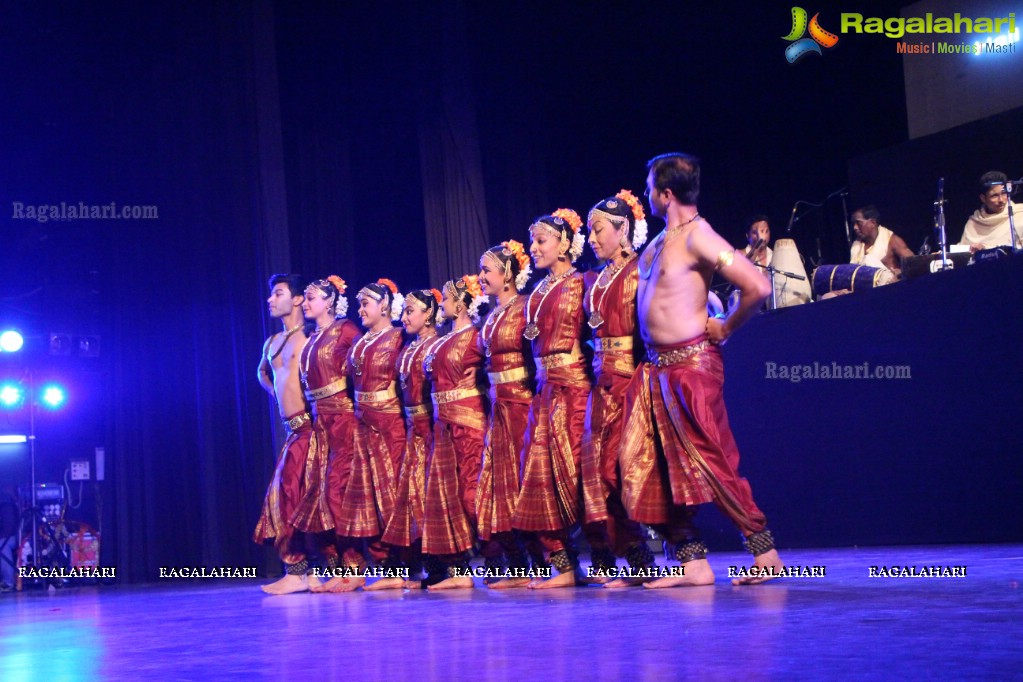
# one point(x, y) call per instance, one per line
point(801, 46)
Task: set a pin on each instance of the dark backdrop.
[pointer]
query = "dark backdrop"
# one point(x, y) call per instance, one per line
point(289, 136)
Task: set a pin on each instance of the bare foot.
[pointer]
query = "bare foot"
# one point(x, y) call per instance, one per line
point(386, 584)
point(287, 585)
point(597, 580)
point(313, 582)
point(566, 579)
point(619, 583)
point(770, 565)
point(509, 583)
point(693, 573)
point(343, 584)
point(462, 582)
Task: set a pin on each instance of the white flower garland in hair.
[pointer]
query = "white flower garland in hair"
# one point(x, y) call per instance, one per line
point(397, 306)
point(578, 241)
point(639, 235)
point(522, 278)
point(341, 307)
point(440, 317)
point(474, 306)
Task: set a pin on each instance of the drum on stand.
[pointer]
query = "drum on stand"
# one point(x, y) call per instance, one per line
point(788, 291)
point(849, 276)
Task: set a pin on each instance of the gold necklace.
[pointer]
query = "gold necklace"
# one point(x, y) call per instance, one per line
point(596, 319)
point(662, 239)
point(365, 342)
point(408, 357)
point(287, 335)
point(435, 347)
point(548, 284)
point(492, 321)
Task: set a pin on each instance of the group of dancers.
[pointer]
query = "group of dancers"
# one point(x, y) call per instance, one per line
point(397, 458)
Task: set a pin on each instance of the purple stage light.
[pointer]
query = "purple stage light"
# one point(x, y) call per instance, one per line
point(53, 396)
point(11, 395)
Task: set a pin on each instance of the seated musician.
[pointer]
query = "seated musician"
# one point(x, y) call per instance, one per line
point(875, 245)
point(988, 227)
point(758, 236)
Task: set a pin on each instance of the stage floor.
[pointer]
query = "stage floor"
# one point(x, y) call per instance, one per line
point(845, 625)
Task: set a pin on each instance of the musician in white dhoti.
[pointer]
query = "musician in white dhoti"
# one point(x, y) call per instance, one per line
point(988, 227)
point(875, 245)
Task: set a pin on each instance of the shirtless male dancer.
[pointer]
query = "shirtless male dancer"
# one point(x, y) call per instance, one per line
point(278, 374)
point(676, 397)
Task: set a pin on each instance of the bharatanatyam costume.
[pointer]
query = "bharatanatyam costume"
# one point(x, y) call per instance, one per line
point(289, 487)
point(511, 391)
point(323, 366)
point(610, 306)
point(677, 400)
point(549, 502)
point(368, 500)
point(405, 529)
point(459, 423)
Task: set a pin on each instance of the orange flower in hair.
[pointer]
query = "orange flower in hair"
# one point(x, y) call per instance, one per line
point(518, 251)
point(634, 203)
point(389, 284)
point(472, 285)
point(338, 283)
point(570, 217)
point(436, 295)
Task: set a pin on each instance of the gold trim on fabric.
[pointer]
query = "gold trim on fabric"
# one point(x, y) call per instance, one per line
point(612, 343)
point(330, 389)
point(417, 410)
point(677, 355)
point(297, 421)
point(442, 397)
point(388, 393)
point(508, 375)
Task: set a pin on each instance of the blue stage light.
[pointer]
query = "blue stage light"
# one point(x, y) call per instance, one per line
point(13, 439)
point(11, 341)
point(11, 395)
point(53, 395)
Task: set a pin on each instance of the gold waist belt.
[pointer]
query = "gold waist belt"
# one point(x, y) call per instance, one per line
point(676, 356)
point(330, 389)
point(557, 360)
point(609, 344)
point(442, 397)
point(376, 396)
point(416, 410)
point(508, 376)
point(298, 421)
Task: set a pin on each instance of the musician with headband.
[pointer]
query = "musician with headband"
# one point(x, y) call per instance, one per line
point(677, 449)
point(988, 227)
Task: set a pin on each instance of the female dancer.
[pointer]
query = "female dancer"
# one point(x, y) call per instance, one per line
point(549, 502)
point(453, 469)
point(379, 431)
point(617, 229)
point(504, 271)
point(405, 529)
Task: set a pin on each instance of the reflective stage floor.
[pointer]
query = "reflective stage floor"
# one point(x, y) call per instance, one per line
point(844, 625)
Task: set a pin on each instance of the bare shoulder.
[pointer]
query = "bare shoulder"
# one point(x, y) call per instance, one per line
point(705, 243)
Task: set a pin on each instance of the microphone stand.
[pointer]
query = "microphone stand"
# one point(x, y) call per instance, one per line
point(939, 224)
point(1009, 188)
point(771, 271)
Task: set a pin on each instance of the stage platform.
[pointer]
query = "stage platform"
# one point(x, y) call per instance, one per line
point(842, 625)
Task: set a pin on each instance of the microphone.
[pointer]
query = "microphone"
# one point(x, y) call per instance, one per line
point(792, 218)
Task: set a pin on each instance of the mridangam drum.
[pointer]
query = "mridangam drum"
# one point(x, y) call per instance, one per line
point(849, 276)
point(789, 291)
